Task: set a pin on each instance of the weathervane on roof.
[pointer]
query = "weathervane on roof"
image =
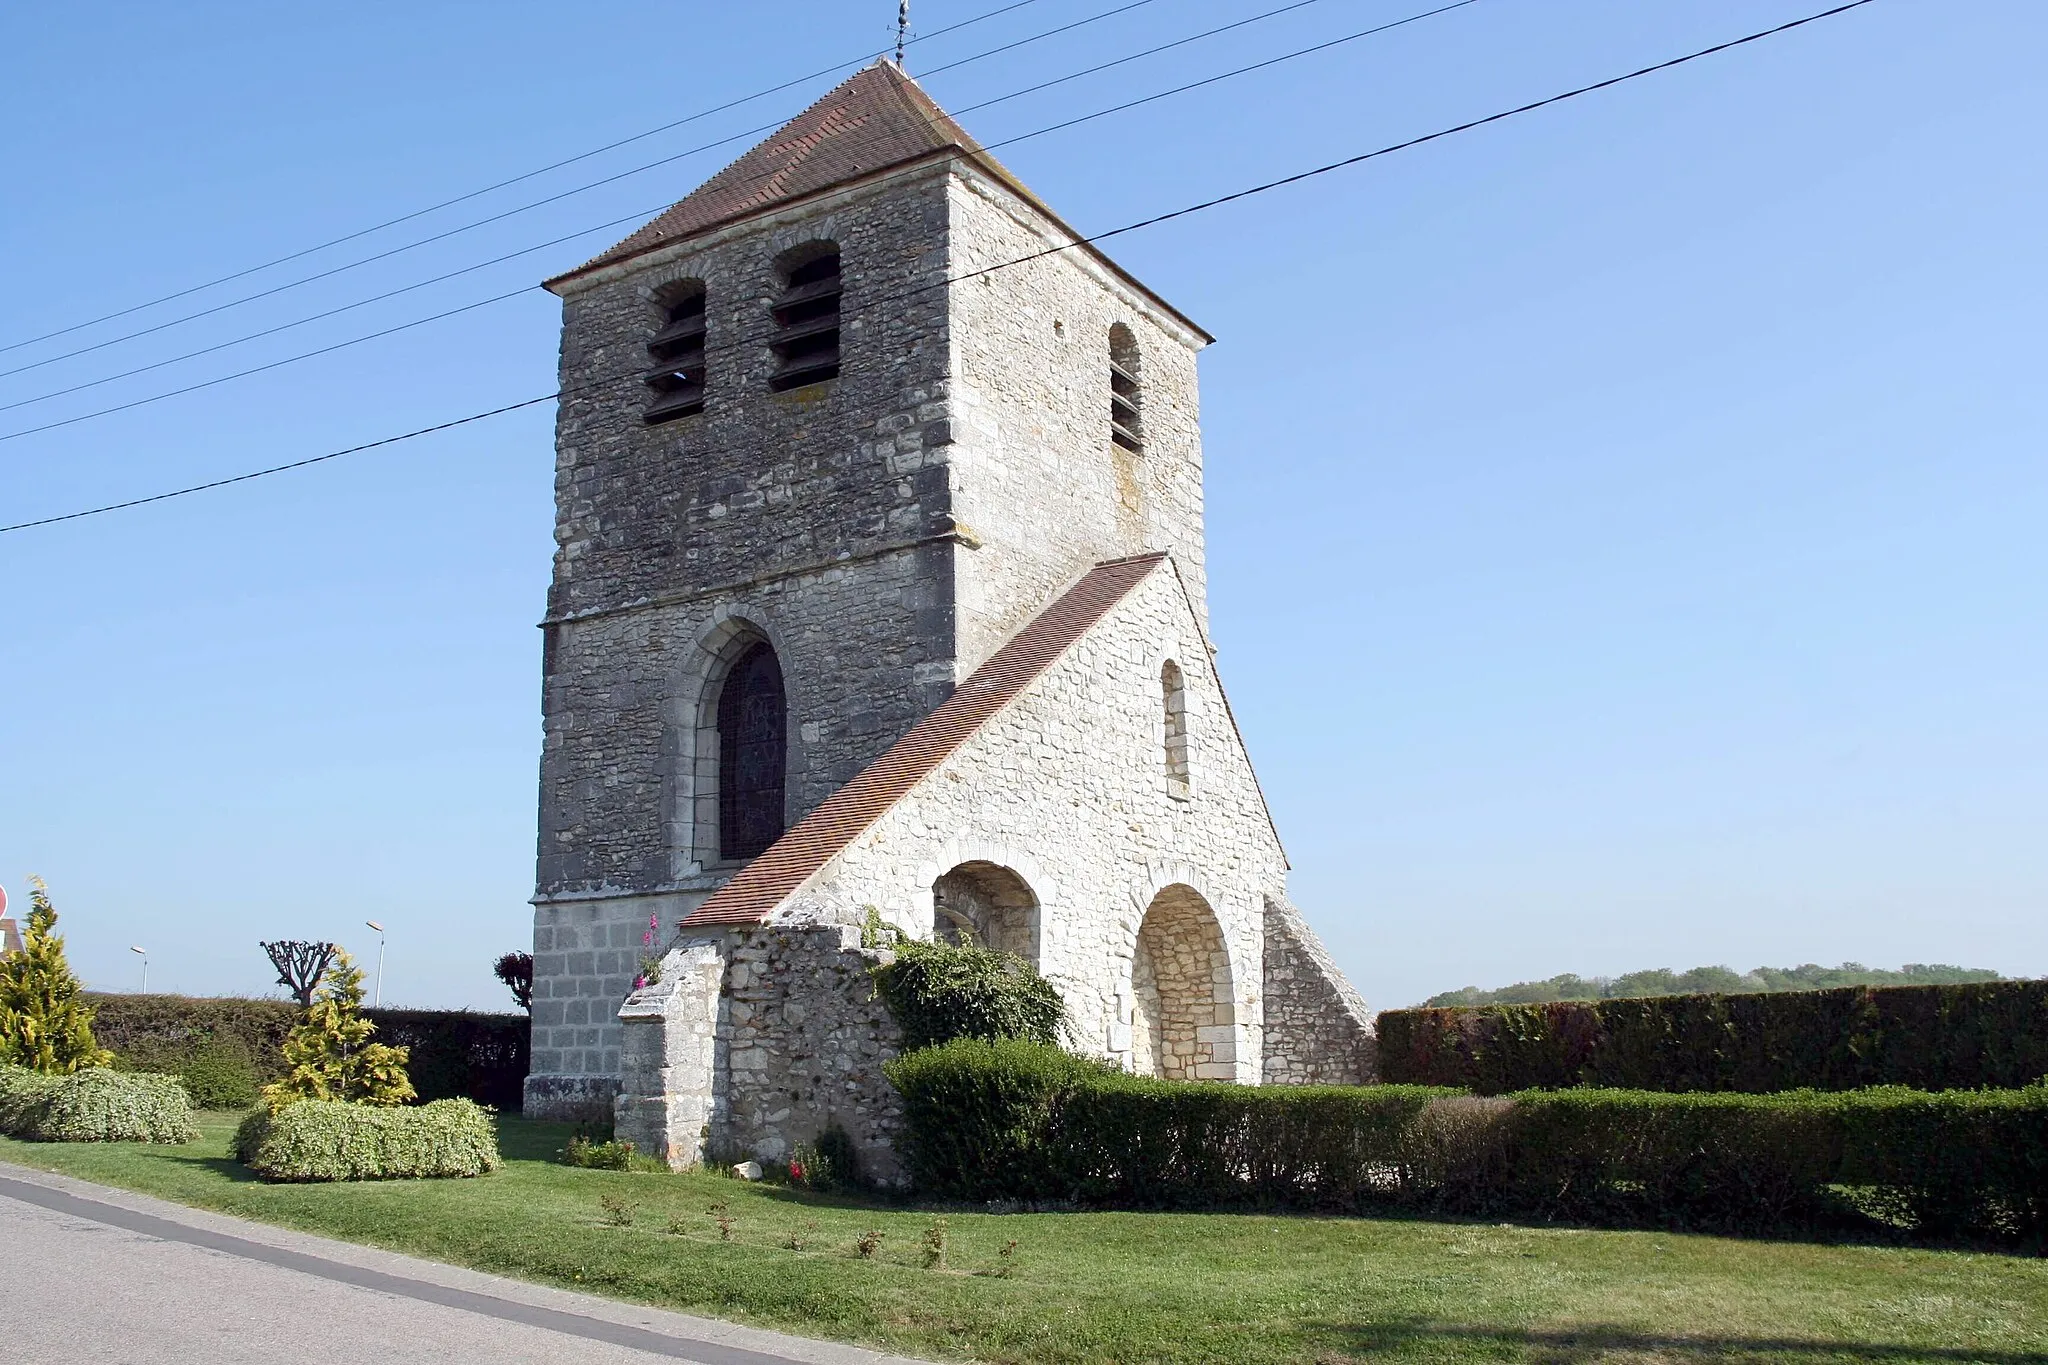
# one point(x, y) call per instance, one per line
point(902, 29)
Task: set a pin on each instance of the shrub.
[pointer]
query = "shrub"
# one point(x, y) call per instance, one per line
point(1942, 1037)
point(1019, 1121)
point(93, 1106)
point(978, 1115)
point(451, 1053)
point(1958, 1162)
point(22, 1093)
point(330, 1140)
point(220, 1075)
point(330, 1053)
point(938, 992)
point(1729, 1162)
point(45, 1022)
point(598, 1156)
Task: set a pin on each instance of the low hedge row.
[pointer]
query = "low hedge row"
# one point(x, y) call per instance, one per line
point(1959, 1037)
point(315, 1140)
point(455, 1053)
point(1016, 1121)
point(95, 1105)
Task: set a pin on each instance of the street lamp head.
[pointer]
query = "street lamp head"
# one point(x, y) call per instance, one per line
point(143, 951)
point(374, 925)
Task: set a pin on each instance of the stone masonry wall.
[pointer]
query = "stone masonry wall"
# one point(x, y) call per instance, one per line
point(1035, 475)
point(1318, 1031)
point(755, 1041)
point(1067, 788)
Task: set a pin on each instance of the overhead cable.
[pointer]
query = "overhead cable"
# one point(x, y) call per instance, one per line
point(1236, 195)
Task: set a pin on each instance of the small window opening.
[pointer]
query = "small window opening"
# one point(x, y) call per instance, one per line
point(806, 342)
point(1176, 700)
point(1125, 427)
point(678, 350)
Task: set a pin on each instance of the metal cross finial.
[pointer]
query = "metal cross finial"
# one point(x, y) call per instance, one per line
point(902, 29)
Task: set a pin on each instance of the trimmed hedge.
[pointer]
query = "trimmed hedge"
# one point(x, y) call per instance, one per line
point(312, 1140)
point(1017, 1121)
point(1961, 1037)
point(95, 1105)
point(455, 1053)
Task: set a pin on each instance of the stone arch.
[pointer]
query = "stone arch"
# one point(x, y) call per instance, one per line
point(725, 641)
point(1183, 991)
point(989, 903)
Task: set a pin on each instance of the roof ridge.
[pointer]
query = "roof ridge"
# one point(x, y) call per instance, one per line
point(807, 155)
point(757, 889)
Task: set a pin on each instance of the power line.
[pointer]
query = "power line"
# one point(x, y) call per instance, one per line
point(515, 293)
point(517, 179)
point(628, 173)
point(459, 229)
point(1246, 193)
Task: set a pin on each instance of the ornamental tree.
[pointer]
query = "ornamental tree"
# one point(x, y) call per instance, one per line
point(330, 1053)
point(516, 971)
point(45, 1024)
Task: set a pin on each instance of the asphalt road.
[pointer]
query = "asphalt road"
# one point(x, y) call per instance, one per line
point(101, 1277)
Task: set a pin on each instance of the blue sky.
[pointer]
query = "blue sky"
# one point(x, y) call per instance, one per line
point(1625, 521)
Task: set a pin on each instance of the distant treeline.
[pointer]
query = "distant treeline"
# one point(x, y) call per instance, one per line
point(1711, 980)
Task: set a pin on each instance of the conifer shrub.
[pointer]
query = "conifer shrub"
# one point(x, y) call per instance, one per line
point(94, 1106)
point(321, 1140)
point(330, 1055)
point(45, 1023)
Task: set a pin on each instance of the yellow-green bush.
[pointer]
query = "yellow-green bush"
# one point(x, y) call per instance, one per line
point(310, 1140)
point(94, 1106)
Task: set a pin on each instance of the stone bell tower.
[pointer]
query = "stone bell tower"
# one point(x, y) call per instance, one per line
point(832, 428)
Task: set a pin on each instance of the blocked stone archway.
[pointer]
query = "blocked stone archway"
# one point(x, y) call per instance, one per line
point(989, 904)
point(1183, 1022)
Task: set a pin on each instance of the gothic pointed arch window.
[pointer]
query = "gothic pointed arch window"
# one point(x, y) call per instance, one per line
point(752, 754)
point(1126, 409)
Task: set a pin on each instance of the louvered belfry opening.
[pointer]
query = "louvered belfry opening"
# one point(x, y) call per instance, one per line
point(806, 342)
point(678, 351)
point(752, 748)
point(1124, 411)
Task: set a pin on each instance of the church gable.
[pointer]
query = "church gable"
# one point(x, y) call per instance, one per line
point(1099, 818)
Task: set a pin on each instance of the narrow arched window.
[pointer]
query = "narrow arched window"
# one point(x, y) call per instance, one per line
point(1125, 406)
point(752, 747)
point(1174, 696)
point(806, 340)
point(678, 353)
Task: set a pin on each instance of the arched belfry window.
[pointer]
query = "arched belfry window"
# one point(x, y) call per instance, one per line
point(1125, 407)
point(678, 353)
point(1174, 697)
point(752, 753)
point(806, 339)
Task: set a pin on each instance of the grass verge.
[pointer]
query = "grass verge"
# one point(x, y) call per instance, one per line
point(1135, 1286)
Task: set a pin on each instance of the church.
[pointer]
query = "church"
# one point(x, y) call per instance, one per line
point(879, 587)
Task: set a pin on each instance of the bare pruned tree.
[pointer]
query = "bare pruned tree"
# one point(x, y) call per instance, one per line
point(516, 971)
point(300, 965)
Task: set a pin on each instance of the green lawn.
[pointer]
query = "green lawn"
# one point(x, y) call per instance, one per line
point(1130, 1287)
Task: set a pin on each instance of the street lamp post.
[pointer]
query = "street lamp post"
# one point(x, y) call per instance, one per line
point(145, 967)
point(380, 960)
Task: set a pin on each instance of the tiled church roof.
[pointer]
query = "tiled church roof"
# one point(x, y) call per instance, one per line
point(763, 884)
point(877, 119)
